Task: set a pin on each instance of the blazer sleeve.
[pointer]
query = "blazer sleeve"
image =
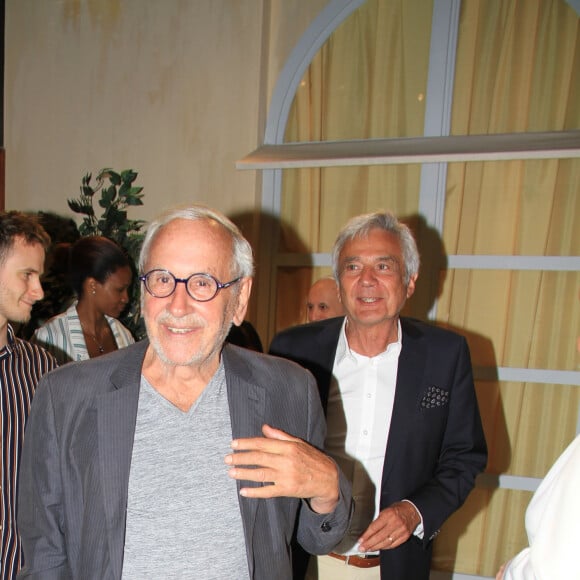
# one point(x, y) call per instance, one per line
point(40, 509)
point(462, 452)
point(320, 533)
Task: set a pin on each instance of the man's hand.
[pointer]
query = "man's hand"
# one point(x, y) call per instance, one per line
point(392, 528)
point(291, 466)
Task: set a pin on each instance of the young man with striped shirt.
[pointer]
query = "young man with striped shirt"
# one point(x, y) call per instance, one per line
point(23, 243)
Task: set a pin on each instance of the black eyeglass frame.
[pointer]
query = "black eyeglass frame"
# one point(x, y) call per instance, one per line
point(184, 281)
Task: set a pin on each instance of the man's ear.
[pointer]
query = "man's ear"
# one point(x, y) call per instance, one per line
point(411, 285)
point(243, 300)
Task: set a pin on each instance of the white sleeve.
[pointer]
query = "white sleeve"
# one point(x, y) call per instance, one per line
point(552, 524)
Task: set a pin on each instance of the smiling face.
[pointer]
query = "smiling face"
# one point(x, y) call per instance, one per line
point(20, 281)
point(182, 331)
point(371, 279)
point(111, 297)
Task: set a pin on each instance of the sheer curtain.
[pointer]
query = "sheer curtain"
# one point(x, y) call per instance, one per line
point(517, 70)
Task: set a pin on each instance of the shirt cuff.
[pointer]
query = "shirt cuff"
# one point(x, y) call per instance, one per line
point(418, 531)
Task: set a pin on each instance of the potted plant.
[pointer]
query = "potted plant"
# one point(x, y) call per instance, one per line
point(117, 194)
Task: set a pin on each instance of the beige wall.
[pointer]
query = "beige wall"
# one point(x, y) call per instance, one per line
point(175, 89)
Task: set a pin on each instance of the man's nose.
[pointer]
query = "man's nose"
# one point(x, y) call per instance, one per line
point(35, 289)
point(180, 298)
point(367, 275)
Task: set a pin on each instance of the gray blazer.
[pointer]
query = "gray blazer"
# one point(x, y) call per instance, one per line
point(77, 454)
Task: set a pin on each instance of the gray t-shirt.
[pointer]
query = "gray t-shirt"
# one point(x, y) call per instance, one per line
point(183, 515)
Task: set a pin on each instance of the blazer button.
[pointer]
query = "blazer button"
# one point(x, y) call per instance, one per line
point(326, 527)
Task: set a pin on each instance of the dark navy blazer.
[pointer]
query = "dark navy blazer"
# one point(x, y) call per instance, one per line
point(436, 445)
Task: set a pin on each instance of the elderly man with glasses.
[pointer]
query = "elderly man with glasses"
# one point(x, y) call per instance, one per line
point(180, 457)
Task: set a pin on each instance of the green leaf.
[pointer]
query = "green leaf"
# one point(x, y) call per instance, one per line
point(136, 226)
point(74, 205)
point(131, 200)
point(81, 206)
point(111, 175)
point(124, 190)
point(128, 176)
point(108, 195)
point(116, 216)
point(87, 229)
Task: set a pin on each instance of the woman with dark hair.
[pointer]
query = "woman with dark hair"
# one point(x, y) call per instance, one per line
point(100, 274)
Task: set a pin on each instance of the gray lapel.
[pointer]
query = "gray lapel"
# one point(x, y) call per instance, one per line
point(116, 418)
point(247, 403)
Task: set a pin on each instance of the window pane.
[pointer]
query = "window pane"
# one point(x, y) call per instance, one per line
point(526, 319)
point(512, 208)
point(318, 202)
point(369, 79)
point(517, 68)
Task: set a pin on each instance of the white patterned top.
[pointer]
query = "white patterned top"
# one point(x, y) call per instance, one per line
point(63, 337)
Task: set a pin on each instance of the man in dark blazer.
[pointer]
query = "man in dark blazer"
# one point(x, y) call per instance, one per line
point(403, 420)
point(180, 457)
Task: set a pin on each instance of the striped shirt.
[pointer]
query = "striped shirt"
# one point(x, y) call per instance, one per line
point(62, 336)
point(21, 366)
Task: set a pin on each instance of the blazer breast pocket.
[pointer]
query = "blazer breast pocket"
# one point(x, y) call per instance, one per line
point(434, 397)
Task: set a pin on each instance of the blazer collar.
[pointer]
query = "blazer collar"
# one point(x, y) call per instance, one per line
point(116, 418)
point(409, 385)
point(246, 396)
point(247, 403)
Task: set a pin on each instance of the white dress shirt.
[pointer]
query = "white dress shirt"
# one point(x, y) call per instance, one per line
point(360, 405)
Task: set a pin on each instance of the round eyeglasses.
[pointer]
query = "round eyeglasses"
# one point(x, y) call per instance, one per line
point(201, 287)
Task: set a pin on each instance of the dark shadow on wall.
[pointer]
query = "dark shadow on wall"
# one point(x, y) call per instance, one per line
point(269, 235)
point(430, 284)
point(432, 271)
